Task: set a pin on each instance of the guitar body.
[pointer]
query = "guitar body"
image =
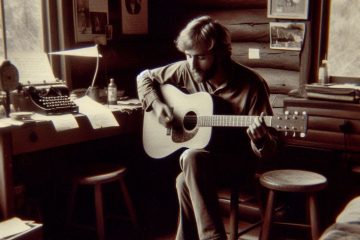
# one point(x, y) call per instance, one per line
point(159, 141)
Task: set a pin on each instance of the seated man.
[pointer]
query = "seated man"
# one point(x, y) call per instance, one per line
point(208, 68)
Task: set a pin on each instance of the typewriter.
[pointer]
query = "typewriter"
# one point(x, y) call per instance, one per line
point(51, 99)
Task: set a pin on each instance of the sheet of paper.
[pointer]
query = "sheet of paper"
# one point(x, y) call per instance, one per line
point(33, 67)
point(12, 226)
point(254, 53)
point(131, 101)
point(345, 85)
point(98, 115)
point(61, 122)
point(11, 121)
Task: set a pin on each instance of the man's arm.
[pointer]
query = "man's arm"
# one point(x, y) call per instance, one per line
point(264, 140)
point(149, 80)
point(147, 87)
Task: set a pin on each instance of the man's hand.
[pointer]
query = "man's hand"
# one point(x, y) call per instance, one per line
point(258, 131)
point(163, 113)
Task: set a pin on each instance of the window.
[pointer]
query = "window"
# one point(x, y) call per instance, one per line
point(23, 40)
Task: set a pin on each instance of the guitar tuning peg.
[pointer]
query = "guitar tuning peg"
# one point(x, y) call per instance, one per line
point(304, 113)
point(296, 113)
point(302, 135)
point(294, 134)
point(285, 133)
point(286, 112)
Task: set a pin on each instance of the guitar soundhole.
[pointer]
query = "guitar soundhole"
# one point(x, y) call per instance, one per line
point(190, 121)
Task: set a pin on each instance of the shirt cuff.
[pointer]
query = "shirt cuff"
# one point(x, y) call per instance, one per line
point(148, 100)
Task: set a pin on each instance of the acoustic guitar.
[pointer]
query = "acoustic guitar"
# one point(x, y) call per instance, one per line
point(194, 119)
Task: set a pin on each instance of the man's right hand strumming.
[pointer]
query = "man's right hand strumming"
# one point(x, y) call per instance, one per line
point(163, 113)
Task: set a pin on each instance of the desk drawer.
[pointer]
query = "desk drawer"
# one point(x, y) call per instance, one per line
point(334, 124)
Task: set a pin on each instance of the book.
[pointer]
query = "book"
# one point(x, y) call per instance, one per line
point(334, 92)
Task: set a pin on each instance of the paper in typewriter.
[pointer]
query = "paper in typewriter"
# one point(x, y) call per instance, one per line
point(34, 67)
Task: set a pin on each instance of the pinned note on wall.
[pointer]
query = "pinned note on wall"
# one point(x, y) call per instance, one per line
point(254, 53)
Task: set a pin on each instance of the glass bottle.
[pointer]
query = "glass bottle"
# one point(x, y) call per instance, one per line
point(112, 92)
point(323, 73)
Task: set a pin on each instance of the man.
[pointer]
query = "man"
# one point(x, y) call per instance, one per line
point(208, 67)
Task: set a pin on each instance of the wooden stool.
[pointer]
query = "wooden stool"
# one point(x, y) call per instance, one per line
point(245, 196)
point(292, 181)
point(96, 176)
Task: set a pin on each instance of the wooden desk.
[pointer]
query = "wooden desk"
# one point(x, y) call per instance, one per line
point(331, 125)
point(33, 136)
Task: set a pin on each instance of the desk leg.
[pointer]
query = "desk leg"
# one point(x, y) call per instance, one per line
point(6, 180)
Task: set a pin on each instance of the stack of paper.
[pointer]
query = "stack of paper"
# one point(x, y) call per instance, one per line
point(14, 227)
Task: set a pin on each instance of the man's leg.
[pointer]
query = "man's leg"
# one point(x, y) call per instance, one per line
point(198, 175)
point(187, 225)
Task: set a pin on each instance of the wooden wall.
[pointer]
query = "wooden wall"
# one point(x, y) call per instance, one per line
point(249, 26)
point(125, 56)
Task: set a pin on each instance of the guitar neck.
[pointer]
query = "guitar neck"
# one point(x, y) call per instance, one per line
point(229, 121)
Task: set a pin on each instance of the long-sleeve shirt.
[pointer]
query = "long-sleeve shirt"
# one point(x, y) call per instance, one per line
point(245, 92)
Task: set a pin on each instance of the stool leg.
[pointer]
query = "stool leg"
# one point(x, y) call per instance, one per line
point(71, 204)
point(99, 212)
point(313, 216)
point(233, 214)
point(265, 231)
point(128, 202)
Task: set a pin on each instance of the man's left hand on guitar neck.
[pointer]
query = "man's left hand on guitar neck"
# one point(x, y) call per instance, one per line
point(259, 135)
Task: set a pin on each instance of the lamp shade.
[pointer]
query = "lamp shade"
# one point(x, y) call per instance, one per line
point(80, 52)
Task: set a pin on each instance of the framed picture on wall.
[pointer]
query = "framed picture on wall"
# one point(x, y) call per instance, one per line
point(287, 35)
point(134, 16)
point(289, 9)
point(91, 18)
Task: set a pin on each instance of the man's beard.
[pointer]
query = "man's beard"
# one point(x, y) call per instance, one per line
point(201, 76)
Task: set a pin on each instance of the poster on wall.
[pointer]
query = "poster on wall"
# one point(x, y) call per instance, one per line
point(290, 9)
point(91, 19)
point(134, 16)
point(287, 35)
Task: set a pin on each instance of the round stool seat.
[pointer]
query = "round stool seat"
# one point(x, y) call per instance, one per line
point(101, 175)
point(97, 175)
point(287, 180)
point(291, 180)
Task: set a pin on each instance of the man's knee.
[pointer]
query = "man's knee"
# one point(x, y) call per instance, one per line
point(180, 183)
point(192, 159)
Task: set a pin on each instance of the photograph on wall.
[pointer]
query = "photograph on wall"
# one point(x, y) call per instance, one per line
point(290, 9)
point(287, 35)
point(134, 16)
point(91, 18)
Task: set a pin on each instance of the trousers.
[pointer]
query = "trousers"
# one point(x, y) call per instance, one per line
point(196, 186)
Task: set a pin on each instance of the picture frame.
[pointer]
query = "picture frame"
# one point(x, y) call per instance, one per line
point(91, 18)
point(287, 35)
point(134, 17)
point(288, 9)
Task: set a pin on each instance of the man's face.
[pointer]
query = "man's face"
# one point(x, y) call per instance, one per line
point(202, 62)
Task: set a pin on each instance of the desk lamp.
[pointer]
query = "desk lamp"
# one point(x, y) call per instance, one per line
point(84, 52)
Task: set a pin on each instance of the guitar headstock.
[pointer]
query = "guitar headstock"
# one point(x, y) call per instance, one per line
point(291, 123)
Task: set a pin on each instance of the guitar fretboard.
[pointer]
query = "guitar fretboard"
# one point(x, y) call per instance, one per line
point(227, 120)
